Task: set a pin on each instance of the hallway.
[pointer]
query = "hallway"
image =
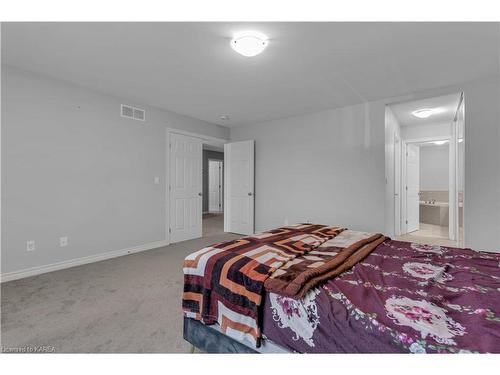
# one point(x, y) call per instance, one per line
point(213, 223)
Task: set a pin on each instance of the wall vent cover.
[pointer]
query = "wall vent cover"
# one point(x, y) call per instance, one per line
point(133, 113)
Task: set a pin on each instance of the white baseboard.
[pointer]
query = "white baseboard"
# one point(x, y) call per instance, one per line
point(21, 274)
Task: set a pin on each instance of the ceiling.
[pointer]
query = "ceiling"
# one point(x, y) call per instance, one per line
point(447, 105)
point(190, 68)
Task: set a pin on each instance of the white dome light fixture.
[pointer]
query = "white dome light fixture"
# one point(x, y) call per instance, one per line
point(249, 43)
point(440, 143)
point(423, 113)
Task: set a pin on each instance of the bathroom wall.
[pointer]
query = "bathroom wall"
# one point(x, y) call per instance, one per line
point(434, 167)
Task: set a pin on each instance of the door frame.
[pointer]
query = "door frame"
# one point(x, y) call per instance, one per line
point(403, 185)
point(398, 150)
point(222, 185)
point(457, 130)
point(403, 193)
point(205, 139)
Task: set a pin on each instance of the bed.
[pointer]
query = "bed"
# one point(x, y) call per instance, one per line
point(312, 288)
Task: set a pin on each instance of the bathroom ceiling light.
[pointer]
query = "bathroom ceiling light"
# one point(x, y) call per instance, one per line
point(424, 112)
point(439, 143)
point(249, 43)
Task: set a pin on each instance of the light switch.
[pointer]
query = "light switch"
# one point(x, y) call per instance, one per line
point(63, 241)
point(157, 180)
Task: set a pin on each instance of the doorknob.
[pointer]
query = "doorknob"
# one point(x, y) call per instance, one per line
point(200, 194)
point(250, 194)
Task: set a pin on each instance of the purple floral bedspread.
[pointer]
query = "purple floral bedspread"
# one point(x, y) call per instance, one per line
point(402, 298)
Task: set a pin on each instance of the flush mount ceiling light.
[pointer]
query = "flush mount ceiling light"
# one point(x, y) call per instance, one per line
point(224, 117)
point(249, 43)
point(424, 112)
point(439, 143)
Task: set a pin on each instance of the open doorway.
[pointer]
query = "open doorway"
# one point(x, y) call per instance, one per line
point(427, 179)
point(200, 203)
point(427, 142)
point(213, 190)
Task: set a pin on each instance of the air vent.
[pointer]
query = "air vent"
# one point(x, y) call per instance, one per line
point(133, 113)
point(139, 114)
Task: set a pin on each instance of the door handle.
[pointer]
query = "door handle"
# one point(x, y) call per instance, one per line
point(200, 194)
point(250, 194)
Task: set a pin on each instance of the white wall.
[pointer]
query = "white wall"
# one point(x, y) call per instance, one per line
point(326, 167)
point(426, 131)
point(329, 166)
point(482, 166)
point(434, 167)
point(71, 166)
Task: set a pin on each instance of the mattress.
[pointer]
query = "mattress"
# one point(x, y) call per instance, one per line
point(400, 297)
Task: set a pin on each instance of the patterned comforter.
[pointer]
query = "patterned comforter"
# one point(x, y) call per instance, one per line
point(403, 297)
point(224, 283)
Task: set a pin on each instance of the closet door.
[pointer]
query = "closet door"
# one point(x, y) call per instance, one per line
point(185, 187)
point(239, 187)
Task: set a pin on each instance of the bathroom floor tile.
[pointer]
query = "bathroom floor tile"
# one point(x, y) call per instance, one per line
point(432, 235)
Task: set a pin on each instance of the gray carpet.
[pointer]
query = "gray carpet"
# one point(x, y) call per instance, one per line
point(130, 304)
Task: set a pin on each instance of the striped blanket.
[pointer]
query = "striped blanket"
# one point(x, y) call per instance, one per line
point(224, 283)
point(297, 277)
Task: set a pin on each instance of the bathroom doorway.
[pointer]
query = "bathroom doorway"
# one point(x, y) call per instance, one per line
point(428, 190)
point(427, 179)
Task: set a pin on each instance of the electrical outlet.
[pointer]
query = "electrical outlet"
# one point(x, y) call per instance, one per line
point(30, 245)
point(63, 241)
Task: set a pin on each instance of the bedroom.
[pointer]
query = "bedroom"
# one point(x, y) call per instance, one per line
point(130, 148)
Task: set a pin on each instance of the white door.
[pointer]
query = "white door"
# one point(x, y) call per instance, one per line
point(185, 187)
point(412, 187)
point(239, 187)
point(215, 185)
